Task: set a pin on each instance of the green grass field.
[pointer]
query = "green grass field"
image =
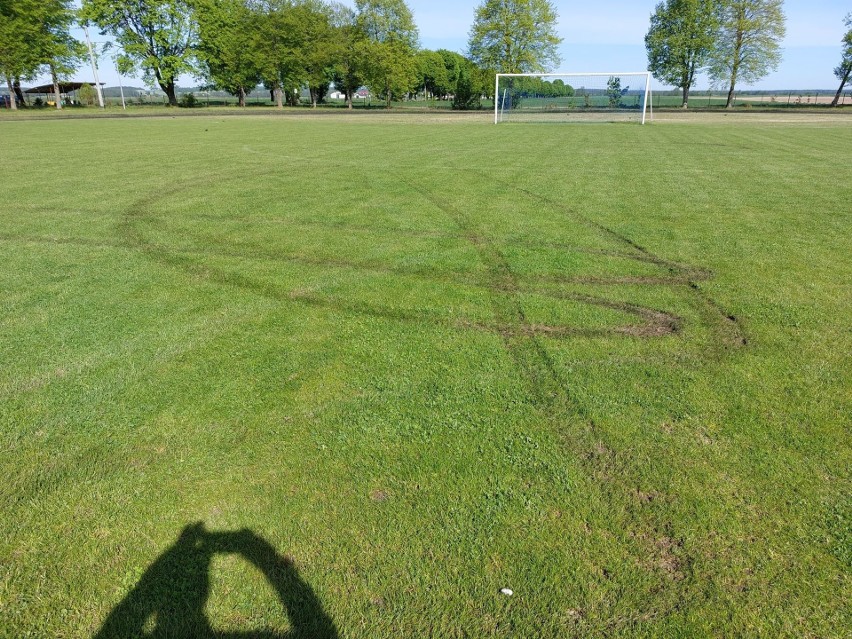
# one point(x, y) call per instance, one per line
point(394, 364)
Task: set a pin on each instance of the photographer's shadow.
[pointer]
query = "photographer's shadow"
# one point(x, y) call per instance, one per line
point(169, 600)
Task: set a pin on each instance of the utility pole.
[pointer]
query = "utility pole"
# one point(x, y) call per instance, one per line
point(94, 67)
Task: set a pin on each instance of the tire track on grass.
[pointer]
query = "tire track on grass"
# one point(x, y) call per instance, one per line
point(507, 321)
point(728, 327)
point(657, 541)
point(520, 339)
point(610, 476)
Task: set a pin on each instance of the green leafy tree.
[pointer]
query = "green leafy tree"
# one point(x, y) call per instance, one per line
point(58, 53)
point(224, 45)
point(389, 68)
point(483, 80)
point(515, 36)
point(347, 70)
point(296, 44)
point(843, 70)
point(387, 53)
point(276, 45)
point(156, 36)
point(680, 40)
point(748, 44)
point(20, 33)
point(467, 93)
point(87, 95)
point(453, 63)
point(561, 89)
point(387, 21)
point(432, 74)
point(319, 47)
point(614, 92)
point(35, 36)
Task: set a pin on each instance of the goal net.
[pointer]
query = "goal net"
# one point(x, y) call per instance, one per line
point(572, 97)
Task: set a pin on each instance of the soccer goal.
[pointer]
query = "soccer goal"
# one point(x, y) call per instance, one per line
point(572, 97)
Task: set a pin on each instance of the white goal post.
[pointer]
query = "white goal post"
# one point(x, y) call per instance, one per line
point(572, 97)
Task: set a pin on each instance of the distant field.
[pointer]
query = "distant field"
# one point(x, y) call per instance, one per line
point(394, 364)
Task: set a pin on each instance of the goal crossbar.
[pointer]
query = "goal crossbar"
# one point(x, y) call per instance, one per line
point(647, 104)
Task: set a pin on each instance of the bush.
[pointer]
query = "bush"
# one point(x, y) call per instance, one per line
point(87, 95)
point(188, 100)
point(465, 97)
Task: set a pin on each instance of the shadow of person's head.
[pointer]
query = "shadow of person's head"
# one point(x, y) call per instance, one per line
point(169, 599)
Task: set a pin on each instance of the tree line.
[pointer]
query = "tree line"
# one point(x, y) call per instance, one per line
point(285, 45)
point(292, 45)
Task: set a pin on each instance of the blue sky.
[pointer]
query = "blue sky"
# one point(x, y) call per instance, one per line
point(608, 36)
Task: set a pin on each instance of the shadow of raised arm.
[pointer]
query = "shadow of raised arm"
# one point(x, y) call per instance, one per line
point(170, 597)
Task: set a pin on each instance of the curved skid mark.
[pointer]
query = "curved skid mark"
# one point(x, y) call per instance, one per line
point(499, 278)
point(177, 259)
point(521, 341)
point(623, 239)
point(728, 325)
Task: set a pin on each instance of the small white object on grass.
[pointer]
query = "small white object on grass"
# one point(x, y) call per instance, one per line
point(507, 591)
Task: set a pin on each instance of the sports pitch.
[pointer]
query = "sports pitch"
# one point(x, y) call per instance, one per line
point(395, 364)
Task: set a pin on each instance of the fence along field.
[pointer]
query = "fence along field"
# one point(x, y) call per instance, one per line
point(395, 365)
point(806, 100)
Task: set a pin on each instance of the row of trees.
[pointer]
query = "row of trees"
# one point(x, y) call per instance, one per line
point(286, 45)
point(289, 45)
point(731, 40)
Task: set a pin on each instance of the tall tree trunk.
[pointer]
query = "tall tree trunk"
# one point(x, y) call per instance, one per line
point(313, 93)
point(13, 103)
point(843, 82)
point(167, 87)
point(16, 85)
point(348, 98)
point(279, 96)
point(56, 93)
point(171, 93)
point(685, 104)
point(730, 103)
point(242, 97)
point(735, 69)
